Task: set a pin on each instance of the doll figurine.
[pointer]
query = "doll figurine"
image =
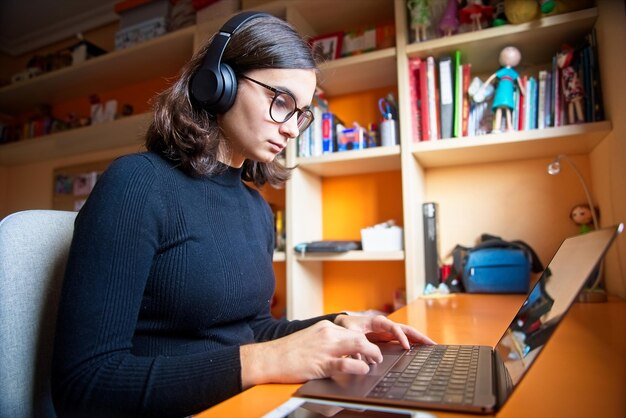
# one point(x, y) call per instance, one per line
point(504, 94)
point(449, 23)
point(573, 92)
point(475, 12)
point(420, 18)
point(583, 217)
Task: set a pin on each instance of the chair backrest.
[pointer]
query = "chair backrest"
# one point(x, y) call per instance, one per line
point(34, 245)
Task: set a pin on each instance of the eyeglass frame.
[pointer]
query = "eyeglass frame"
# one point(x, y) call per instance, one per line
point(278, 92)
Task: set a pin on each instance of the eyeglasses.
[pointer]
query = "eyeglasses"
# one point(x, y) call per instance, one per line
point(284, 106)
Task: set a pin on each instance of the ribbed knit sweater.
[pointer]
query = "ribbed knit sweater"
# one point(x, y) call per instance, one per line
point(168, 275)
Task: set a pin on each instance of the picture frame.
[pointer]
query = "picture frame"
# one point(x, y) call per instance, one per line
point(328, 46)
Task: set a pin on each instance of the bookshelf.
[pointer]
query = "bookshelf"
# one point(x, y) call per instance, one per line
point(417, 164)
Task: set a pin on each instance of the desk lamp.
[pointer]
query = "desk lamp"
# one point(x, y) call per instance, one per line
point(594, 292)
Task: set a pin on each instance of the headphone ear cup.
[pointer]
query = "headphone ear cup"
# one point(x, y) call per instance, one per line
point(229, 90)
point(207, 88)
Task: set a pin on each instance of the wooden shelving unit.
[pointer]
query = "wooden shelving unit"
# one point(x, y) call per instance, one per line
point(387, 67)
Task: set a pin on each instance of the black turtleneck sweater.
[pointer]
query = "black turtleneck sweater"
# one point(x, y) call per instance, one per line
point(168, 275)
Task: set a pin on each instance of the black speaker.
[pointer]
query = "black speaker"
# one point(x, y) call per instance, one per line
point(214, 86)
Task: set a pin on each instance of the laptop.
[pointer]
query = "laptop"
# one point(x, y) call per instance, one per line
point(477, 379)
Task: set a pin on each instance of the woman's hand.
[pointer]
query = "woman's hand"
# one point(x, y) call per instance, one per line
point(321, 350)
point(381, 328)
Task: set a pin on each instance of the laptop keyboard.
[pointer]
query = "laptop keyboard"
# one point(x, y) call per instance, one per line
point(436, 373)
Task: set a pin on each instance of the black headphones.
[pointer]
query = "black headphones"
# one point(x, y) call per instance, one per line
point(214, 86)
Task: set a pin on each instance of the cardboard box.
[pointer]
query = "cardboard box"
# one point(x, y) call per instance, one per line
point(136, 12)
point(140, 33)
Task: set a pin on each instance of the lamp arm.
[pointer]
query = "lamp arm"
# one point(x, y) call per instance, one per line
point(598, 280)
point(596, 225)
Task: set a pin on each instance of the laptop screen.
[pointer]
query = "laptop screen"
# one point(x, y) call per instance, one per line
point(575, 263)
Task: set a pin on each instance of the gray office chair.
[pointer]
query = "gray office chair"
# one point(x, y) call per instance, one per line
point(34, 245)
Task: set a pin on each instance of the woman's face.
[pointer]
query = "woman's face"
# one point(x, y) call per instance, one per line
point(248, 130)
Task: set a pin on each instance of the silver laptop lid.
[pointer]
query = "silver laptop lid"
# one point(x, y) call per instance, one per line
point(577, 261)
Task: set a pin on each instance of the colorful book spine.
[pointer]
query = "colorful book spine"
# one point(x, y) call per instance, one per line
point(432, 99)
point(541, 100)
point(458, 95)
point(424, 101)
point(467, 74)
point(522, 105)
point(548, 100)
point(556, 93)
point(414, 92)
point(446, 97)
point(532, 111)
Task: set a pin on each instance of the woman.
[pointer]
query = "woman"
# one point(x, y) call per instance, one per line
point(165, 308)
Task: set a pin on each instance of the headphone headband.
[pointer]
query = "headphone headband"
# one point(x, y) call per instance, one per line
point(214, 86)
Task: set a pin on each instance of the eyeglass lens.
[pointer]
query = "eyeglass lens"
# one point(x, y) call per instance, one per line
point(284, 106)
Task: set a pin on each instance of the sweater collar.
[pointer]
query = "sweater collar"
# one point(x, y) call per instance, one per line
point(227, 176)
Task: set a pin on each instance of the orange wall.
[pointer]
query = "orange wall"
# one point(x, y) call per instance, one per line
point(495, 198)
point(360, 107)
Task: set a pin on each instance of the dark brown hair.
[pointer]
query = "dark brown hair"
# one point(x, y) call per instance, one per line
point(189, 135)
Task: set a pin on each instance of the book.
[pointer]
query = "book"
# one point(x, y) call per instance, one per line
point(331, 124)
point(432, 99)
point(532, 103)
point(467, 74)
point(458, 95)
point(414, 95)
point(548, 100)
point(556, 94)
point(446, 97)
point(431, 242)
point(541, 100)
point(424, 102)
point(596, 89)
point(522, 104)
point(517, 94)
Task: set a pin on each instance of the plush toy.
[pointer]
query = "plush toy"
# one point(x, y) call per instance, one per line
point(522, 11)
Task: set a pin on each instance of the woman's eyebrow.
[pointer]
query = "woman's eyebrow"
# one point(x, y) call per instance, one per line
point(288, 90)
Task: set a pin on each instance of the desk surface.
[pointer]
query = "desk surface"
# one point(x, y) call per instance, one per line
point(580, 372)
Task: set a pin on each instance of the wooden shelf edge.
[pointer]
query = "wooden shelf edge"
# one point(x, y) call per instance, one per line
point(574, 139)
point(352, 162)
point(119, 133)
point(353, 256)
point(505, 30)
point(79, 79)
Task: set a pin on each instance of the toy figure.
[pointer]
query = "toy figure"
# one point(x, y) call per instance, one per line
point(475, 12)
point(420, 18)
point(449, 23)
point(583, 217)
point(573, 92)
point(499, 16)
point(504, 94)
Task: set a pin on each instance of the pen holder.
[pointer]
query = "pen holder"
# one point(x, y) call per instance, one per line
point(388, 133)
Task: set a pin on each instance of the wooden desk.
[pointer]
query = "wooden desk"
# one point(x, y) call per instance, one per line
point(581, 371)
